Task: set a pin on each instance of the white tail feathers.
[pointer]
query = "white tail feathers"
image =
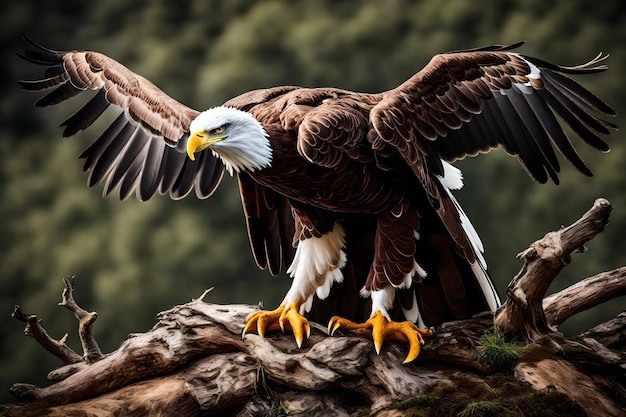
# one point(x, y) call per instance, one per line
point(451, 180)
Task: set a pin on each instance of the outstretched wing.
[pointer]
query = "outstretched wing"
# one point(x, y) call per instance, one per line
point(463, 103)
point(142, 151)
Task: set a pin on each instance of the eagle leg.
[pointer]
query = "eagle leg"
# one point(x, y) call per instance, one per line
point(284, 317)
point(381, 329)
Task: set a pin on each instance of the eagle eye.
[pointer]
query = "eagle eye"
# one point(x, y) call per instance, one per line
point(218, 130)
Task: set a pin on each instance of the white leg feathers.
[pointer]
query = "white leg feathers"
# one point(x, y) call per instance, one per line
point(413, 314)
point(382, 300)
point(316, 267)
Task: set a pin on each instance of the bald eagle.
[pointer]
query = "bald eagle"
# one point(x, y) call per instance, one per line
point(350, 193)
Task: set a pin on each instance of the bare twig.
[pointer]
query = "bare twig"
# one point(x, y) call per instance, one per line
point(56, 347)
point(85, 319)
point(204, 294)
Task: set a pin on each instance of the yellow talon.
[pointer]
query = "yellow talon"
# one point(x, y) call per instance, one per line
point(284, 317)
point(381, 330)
point(261, 321)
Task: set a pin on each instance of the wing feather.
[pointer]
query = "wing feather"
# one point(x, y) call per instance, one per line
point(129, 181)
point(64, 92)
point(104, 164)
point(130, 155)
point(576, 89)
point(574, 116)
point(493, 113)
point(154, 164)
point(529, 154)
point(185, 181)
point(45, 83)
point(270, 225)
point(124, 159)
point(97, 148)
point(86, 115)
point(209, 176)
point(536, 133)
point(175, 162)
point(571, 101)
point(490, 130)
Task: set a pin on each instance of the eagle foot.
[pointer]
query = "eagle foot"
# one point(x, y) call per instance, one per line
point(382, 329)
point(284, 317)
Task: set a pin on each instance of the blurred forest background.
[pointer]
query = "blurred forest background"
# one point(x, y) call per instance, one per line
point(132, 260)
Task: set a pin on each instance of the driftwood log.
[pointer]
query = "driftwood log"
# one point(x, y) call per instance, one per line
point(194, 362)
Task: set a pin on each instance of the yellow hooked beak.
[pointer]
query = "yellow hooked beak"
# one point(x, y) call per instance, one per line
point(199, 141)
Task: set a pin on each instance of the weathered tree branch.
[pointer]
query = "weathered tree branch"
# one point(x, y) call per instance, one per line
point(199, 337)
point(611, 334)
point(522, 313)
point(546, 367)
point(584, 295)
point(193, 362)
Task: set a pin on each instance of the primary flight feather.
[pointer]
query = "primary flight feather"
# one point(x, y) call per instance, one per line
point(349, 192)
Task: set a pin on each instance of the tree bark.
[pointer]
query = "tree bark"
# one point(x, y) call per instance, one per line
point(585, 294)
point(193, 362)
point(523, 313)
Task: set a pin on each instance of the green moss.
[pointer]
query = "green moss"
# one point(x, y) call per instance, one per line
point(483, 408)
point(442, 390)
point(416, 412)
point(496, 352)
point(276, 411)
point(422, 405)
point(417, 401)
point(499, 394)
point(549, 404)
point(506, 388)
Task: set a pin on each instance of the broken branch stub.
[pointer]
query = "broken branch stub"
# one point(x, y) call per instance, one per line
point(523, 314)
point(91, 350)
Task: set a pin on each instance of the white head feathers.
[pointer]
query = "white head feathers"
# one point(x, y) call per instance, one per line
point(246, 145)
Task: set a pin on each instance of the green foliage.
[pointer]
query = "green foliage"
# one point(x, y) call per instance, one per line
point(134, 259)
point(496, 352)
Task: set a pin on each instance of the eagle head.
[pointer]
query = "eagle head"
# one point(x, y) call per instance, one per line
point(234, 136)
